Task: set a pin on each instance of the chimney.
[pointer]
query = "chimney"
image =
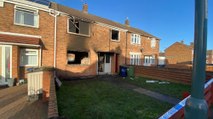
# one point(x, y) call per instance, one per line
point(85, 8)
point(182, 41)
point(127, 22)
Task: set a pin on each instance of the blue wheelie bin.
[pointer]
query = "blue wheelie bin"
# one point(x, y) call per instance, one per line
point(123, 71)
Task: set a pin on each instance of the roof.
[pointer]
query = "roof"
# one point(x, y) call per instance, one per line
point(90, 17)
point(178, 43)
point(19, 39)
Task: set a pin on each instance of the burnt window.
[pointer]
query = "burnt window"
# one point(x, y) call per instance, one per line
point(115, 35)
point(74, 57)
point(78, 26)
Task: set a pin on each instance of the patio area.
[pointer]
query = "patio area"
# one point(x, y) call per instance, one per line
point(14, 104)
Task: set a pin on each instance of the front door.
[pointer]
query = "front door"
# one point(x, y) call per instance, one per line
point(104, 63)
point(107, 67)
point(5, 63)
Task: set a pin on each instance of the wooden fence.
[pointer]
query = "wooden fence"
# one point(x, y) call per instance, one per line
point(169, 74)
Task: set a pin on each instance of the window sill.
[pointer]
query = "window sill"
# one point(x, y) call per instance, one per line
point(135, 44)
point(78, 34)
point(26, 25)
point(78, 65)
point(28, 66)
point(115, 40)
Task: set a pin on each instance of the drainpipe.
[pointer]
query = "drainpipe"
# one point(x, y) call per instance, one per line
point(196, 106)
point(55, 14)
point(126, 49)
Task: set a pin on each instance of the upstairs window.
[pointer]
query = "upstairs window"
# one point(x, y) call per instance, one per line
point(136, 39)
point(153, 43)
point(115, 35)
point(78, 27)
point(26, 17)
point(74, 57)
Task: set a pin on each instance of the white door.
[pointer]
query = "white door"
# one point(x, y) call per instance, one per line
point(147, 61)
point(5, 63)
point(107, 64)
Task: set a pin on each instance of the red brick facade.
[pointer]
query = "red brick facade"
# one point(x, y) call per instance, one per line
point(99, 41)
point(7, 25)
point(209, 57)
point(179, 53)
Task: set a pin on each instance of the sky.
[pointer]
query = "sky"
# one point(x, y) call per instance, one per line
point(169, 20)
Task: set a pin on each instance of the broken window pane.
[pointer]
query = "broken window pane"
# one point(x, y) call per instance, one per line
point(78, 26)
point(115, 34)
point(74, 57)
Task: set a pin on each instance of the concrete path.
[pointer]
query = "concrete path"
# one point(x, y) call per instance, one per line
point(14, 104)
point(119, 82)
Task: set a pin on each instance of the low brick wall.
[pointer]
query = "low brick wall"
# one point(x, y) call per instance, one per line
point(47, 77)
point(52, 104)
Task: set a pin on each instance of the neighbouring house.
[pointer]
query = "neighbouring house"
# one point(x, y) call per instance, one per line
point(209, 57)
point(76, 43)
point(26, 38)
point(179, 53)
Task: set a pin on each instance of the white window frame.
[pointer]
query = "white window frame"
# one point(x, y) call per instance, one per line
point(135, 58)
point(136, 39)
point(153, 42)
point(68, 24)
point(21, 53)
point(118, 35)
point(36, 16)
point(151, 60)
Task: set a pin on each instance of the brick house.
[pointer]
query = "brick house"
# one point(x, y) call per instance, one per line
point(25, 39)
point(179, 53)
point(209, 57)
point(75, 42)
point(102, 45)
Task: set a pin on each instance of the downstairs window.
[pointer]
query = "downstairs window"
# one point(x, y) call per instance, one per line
point(29, 57)
point(74, 57)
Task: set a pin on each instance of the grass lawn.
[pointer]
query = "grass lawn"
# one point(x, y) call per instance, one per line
point(96, 99)
point(171, 89)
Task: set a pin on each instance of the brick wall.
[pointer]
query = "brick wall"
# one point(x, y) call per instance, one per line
point(209, 58)
point(45, 30)
point(15, 62)
point(98, 41)
point(47, 77)
point(52, 104)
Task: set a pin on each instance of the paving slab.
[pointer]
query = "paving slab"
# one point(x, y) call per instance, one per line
point(14, 104)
